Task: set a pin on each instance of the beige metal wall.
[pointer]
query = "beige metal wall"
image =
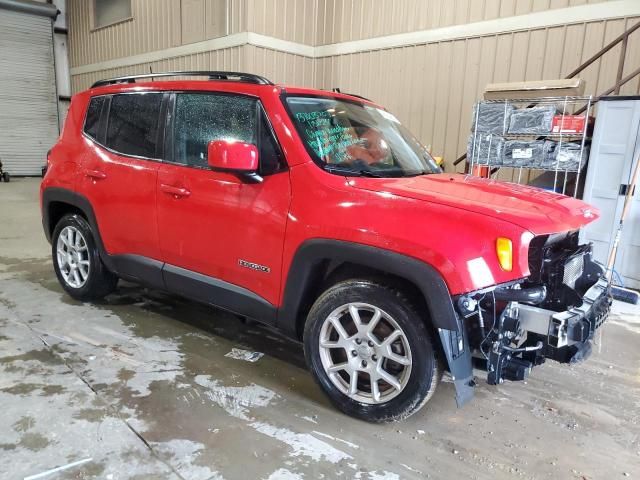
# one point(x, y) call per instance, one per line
point(279, 67)
point(293, 20)
point(155, 25)
point(432, 87)
point(160, 24)
point(227, 59)
point(345, 20)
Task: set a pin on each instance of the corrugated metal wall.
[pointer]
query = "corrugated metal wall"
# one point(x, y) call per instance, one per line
point(155, 25)
point(279, 67)
point(432, 87)
point(159, 24)
point(226, 59)
point(293, 20)
point(345, 20)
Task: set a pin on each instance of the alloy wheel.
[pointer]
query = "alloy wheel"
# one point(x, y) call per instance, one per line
point(365, 353)
point(73, 257)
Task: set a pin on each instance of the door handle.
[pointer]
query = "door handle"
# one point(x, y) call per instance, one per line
point(95, 174)
point(177, 192)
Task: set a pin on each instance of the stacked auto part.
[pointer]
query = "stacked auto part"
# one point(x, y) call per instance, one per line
point(545, 134)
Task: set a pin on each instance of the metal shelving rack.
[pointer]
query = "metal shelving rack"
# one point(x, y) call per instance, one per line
point(565, 105)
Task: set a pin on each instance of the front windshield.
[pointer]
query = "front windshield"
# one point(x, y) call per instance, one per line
point(359, 139)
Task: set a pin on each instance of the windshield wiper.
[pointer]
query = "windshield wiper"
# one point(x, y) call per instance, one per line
point(350, 171)
point(342, 170)
point(371, 173)
point(383, 173)
point(417, 174)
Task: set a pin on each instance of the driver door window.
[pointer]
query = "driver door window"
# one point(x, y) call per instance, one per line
point(201, 118)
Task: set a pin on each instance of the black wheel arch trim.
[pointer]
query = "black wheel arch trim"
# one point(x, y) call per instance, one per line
point(63, 195)
point(453, 337)
point(311, 253)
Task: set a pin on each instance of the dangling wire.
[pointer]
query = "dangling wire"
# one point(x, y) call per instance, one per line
point(492, 326)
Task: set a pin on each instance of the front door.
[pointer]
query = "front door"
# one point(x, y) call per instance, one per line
point(221, 236)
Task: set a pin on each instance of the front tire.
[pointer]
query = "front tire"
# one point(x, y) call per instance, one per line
point(76, 260)
point(370, 351)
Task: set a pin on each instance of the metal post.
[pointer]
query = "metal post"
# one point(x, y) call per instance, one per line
point(623, 54)
point(584, 138)
point(475, 138)
point(559, 146)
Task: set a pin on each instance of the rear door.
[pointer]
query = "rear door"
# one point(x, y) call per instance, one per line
point(225, 234)
point(119, 175)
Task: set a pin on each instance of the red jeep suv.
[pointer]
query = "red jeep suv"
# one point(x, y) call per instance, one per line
point(320, 214)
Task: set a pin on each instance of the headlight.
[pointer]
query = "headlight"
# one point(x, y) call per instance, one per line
point(504, 250)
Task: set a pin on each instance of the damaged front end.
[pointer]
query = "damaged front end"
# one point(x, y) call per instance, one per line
point(554, 313)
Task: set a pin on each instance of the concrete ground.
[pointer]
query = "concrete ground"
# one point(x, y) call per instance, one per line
point(147, 385)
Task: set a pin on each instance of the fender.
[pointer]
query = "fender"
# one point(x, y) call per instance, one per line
point(444, 318)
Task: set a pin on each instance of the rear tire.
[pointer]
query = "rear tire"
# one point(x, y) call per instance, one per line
point(76, 260)
point(370, 351)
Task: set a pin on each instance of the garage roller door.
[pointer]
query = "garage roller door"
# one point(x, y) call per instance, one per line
point(28, 103)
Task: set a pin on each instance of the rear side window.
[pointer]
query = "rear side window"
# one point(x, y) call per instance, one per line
point(202, 118)
point(132, 128)
point(92, 121)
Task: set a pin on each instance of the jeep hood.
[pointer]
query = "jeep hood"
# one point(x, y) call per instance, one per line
point(539, 211)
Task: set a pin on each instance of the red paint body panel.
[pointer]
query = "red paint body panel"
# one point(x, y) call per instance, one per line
point(122, 191)
point(68, 151)
point(534, 209)
point(224, 220)
point(458, 243)
point(207, 221)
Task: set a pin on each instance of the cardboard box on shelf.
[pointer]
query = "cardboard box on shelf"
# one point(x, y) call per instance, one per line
point(572, 87)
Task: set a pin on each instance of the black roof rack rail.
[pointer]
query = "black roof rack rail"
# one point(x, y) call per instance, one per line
point(227, 76)
point(337, 90)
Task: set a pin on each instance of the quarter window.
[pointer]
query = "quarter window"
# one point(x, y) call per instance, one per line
point(271, 158)
point(133, 124)
point(92, 120)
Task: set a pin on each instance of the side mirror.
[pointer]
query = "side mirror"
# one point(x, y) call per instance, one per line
point(234, 157)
